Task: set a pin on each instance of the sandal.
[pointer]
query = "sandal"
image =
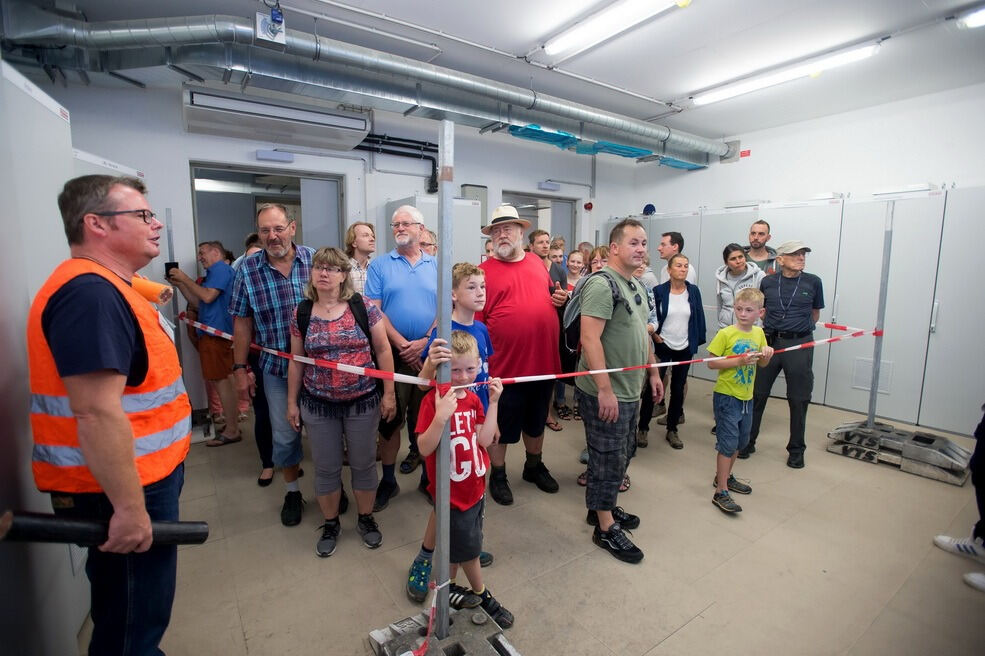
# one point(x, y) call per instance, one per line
point(626, 483)
point(553, 425)
point(583, 478)
point(563, 412)
point(576, 415)
point(223, 440)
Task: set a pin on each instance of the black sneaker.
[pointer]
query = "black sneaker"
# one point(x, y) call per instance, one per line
point(735, 485)
point(290, 513)
point(370, 530)
point(343, 503)
point(460, 597)
point(411, 462)
point(495, 610)
point(796, 460)
point(616, 543)
point(623, 518)
point(747, 451)
point(485, 559)
point(499, 489)
point(724, 501)
point(330, 531)
point(385, 491)
point(541, 477)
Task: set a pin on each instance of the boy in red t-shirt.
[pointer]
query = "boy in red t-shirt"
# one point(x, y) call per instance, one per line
point(471, 431)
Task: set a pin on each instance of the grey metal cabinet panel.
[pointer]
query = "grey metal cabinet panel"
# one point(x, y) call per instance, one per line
point(954, 381)
point(917, 222)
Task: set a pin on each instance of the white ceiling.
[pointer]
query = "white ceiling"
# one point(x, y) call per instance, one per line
point(666, 59)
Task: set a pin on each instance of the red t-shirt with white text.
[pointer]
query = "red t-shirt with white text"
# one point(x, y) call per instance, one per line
point(469, 460)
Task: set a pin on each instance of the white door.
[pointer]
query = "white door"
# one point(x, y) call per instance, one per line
point(916, 230)
point(954, 381)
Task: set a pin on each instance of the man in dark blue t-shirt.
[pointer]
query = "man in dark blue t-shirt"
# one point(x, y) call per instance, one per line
point(215, 353)
point(794, 300)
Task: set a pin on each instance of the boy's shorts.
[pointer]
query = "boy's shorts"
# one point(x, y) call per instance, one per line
point(733, 420)
point(465, 533)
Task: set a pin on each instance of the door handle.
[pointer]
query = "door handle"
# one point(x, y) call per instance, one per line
point(933, 316)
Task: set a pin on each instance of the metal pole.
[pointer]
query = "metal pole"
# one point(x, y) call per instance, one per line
point(887, 248)
point(446, 175)
point(168, 224)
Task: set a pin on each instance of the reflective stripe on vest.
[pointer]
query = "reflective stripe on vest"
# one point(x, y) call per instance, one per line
point(58, 406)
point(70, 456)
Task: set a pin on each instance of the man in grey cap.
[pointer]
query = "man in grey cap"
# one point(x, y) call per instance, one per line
point(793, 304)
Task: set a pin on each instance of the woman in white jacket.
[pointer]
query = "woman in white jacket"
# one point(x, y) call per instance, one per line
point(732, 276)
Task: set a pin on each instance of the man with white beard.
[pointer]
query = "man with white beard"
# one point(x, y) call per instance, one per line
point(521, 315)
point(404, 285)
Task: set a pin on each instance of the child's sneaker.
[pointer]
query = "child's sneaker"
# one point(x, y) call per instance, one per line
point(724, 501)
point(497, 611)
point(735, 485)
point(975, 580)
point(418, 579)
point(970, 547)
point(485, 559)
point(616, 543)
point(460, 597)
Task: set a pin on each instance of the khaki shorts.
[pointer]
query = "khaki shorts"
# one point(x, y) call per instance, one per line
point(216, 355)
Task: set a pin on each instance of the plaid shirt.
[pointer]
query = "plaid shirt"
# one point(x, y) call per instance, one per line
point(262, 293)
point(358, 275)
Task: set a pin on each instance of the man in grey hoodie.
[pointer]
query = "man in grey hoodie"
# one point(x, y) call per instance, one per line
point(758, 252)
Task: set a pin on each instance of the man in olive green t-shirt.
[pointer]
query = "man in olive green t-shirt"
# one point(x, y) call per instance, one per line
point(612, 336)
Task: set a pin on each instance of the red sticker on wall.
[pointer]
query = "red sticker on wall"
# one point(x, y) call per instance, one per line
point(745, 153)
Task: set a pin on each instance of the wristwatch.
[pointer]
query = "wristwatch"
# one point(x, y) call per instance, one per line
point(239, 366)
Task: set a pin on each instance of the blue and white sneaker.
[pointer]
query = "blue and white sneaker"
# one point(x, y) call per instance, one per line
point(418, 579)
point(969, 547)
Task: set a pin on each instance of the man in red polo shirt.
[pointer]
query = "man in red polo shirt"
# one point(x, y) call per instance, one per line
point(521, 315)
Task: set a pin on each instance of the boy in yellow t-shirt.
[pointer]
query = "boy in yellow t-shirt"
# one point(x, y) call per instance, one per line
point(733, 390)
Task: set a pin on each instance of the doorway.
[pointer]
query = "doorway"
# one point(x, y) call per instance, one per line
point(555, 215)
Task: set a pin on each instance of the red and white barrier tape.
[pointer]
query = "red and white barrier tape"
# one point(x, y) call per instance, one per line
point(414, 380)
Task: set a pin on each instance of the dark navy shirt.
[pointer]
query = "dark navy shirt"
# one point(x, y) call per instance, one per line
point(790, 302)
point(90, 327)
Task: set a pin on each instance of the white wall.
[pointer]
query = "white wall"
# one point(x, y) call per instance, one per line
point(934, 138)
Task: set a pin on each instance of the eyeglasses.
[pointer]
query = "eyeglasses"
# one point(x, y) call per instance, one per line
point(327, 269)
point(145, 215)
point(402, 224)
point(277, 230)
point(426, 244)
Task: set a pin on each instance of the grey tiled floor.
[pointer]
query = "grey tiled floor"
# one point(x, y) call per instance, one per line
point(836, 558)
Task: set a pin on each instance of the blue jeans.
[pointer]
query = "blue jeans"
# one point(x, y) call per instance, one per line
point(131, 594)
point(287, 441)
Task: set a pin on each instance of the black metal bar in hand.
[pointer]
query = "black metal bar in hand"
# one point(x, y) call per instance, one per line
point(39, 527)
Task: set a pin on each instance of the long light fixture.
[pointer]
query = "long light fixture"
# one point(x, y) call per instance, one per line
point(811, 68)
point(974, 19)
point(614, 19)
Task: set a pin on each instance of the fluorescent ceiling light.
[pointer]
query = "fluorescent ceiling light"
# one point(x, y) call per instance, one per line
point(617, 17)
point(974, 19)
point(811, 68)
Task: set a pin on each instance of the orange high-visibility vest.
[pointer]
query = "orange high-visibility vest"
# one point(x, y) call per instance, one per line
point(158, 408)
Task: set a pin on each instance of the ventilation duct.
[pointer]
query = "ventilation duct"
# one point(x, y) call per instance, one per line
point(212, 45)
point(269, 118)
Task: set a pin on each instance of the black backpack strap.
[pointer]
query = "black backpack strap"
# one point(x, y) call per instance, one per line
point(304, 318)
point(358, 309)
point(617, 296)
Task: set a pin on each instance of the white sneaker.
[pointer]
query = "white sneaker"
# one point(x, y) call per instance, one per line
point(975, 580)
point(973, 548)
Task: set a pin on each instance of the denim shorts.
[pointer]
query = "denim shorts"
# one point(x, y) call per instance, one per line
point(733, 419)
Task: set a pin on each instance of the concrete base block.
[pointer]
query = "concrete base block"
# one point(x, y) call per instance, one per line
point(923, 454)
point(470, 633)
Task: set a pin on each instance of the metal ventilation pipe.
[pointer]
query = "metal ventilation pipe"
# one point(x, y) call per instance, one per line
point(30, 25)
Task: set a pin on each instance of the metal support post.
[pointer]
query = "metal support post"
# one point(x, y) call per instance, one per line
point(887, 248)
point(446, 175)
point(169, 227)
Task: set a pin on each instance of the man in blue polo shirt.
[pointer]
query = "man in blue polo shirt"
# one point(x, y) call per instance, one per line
point(404, 285)
point(211, 297)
